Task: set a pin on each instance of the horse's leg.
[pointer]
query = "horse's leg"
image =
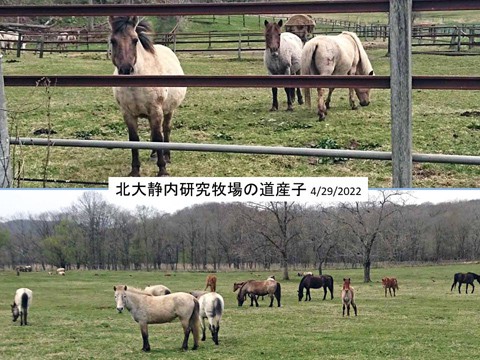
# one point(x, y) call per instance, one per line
point(288, 91)
point(453, 285)
point(459, 286)
point(186, 332)
point(322, 110)
point(204, 337)
point(274, 99)
point(144, 331)
point(329, 97)
point(132, 126)
point(390, 291)
point(343, 308)
point(354, 308)
point(348, 309)
point(299, 96)
point(324, 292)
point(156, 123)
point(351, 99)
point(271, 300)
point(256, 300)
point(308, 296)
point(167, 126)
point(473, 289)
point(385, 291)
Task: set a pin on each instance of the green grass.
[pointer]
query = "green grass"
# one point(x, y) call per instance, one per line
point(74, 316)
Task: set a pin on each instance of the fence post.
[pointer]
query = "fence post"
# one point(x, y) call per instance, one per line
point(19, 44)
point(240, 46)
point(42, 44)
point(6, 180)
point(401, 91)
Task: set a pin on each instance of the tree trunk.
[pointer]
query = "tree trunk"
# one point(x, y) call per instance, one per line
point(366, 270)
point(285, 268)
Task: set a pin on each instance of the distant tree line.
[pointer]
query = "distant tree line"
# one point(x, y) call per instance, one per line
point(94, 234)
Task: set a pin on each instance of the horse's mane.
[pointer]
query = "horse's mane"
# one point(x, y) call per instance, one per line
point(365, 64)
point(142, 28)
point(137, 291)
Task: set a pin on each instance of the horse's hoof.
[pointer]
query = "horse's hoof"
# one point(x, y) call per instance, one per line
point(321, 118)
point(195, 347)
point(274, 109)
point(290, 108)
point(354, 107)
point(146, 349)
point(300, 102)
point(134, 173)
point(162, 173)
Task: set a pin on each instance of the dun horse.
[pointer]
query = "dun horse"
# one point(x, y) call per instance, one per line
point(348, 297)
point(211, 308)
point(255, 288)
point(315, 282)
point(336, 55)
point(133, 53)
point(282, 56)
point(157, 290)
point(148, 309)
point(21, 304)
point(465, 278)
point(390, 283)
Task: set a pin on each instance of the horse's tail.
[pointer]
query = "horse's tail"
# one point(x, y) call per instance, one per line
point(331, 286)
point(301, 285)
point(24, 302)
point(195, 322)
point(278, 293)
point(217, 311)
point(308, 54)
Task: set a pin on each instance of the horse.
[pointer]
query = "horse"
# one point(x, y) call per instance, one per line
point(282, 56)
point(465, 278)
point(62, 41)
point(341, 54)
point(21, 304)
point(315, 282)
point(148, 309)
point(211, 308)
point(157, 290)
point(133, 53)
point(211, 283)
point(59, 270)
point(302, 274)
point(348, 297)
point(390, 283)
point(257, 288)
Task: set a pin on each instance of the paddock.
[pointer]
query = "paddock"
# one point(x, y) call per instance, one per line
point(385, 179)
point(95, 328)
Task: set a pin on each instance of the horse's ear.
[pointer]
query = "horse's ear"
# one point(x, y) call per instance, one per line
point(111, 19)
point(114, 288)
point(371, 73)
point(344, 279)
point(125, 287)
point(280, 23)
point(265, 22)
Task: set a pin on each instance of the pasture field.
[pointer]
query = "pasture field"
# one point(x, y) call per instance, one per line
point(240, 116)
point(74, 317)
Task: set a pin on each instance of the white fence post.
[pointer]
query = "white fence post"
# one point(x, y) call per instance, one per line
point(401, 91)
point(5, 165)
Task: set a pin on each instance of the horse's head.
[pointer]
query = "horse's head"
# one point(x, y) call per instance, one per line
point(346, 283)
point(15, 311)
point(272, 36)
point(120, 296)
point(300, 295)
point(363, 94)
point(240, 299)
point(127, 33)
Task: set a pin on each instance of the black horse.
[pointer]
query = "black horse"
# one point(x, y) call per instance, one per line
point(315, 282)
point(462, 278)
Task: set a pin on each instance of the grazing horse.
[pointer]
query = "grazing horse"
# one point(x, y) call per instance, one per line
point(341, 54)
point(157, 290)
point(390, 283)
point(211, 308)
point(148, 309)
point(282, 56)
point(257, 288)
point(21, 304)
point(315, 282)
point(302, 274)
point(348, 297)
point(211, 283)
point(465, 278)
point(133, 53)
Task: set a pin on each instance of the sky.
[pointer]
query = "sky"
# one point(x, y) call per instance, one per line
point(34, 201)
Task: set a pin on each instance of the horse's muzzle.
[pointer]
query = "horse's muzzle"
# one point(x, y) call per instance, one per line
point(120, 310)
point(364, 103)
point(125, 70)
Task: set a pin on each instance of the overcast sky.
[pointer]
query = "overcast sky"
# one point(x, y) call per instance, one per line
point(34, 201)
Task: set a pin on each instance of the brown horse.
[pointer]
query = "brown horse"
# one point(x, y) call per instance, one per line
point(465, 278)
point(348, 297)
point(148, 309)
point(133, 53)
point(390, 283)
point(211, 283)
point(257, 288)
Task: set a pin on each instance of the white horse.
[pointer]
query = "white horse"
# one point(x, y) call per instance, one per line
point(21, 304)
point(341, 54)
point(133, 53)
point(211, 308)
point(157, 290)
point(282, 56)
